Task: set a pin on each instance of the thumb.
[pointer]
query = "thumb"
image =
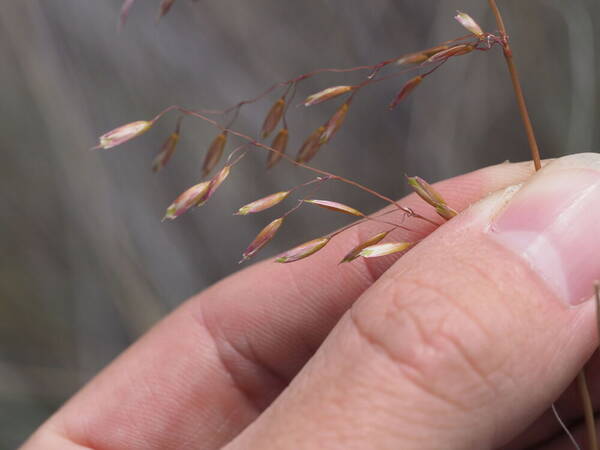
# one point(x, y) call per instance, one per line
point(467, 338)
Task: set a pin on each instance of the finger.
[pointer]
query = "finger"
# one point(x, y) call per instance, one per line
point(209, 368)
point(467, 338)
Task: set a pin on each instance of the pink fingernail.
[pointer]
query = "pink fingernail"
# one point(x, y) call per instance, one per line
point(553, 223)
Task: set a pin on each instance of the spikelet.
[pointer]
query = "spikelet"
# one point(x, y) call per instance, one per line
point(355, 252)
point(303, 250)
point(375, 251)
point(431, 196)
point(127, 4)
point(165, 6)
point(216, 181)
point(167, 150)
point(197, 195)
point(279, 144)
point(123, 134)
point(334, 123)
point(457, 50)
point(335, 206)
point(264, 203)
point(467, 21)
point(273, 117)
point(310, 147)
point(262, 238)
point(422, 56)
point(215, 151)
point(194, 196)
point(406, 89)
point(327, 94)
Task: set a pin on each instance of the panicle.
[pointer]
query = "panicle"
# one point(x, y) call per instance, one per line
point(262, 238)
point(273, 117)
point(194, 196)
point(467, 21)
point(334, 123)
point(303, 250)
point(327, 94)
point(406, 89)
point(263, 203)
point(335, 206)
point(431, 196)
point(123, 134)
point(279, 144)
point(215, 151)
point(310, 147)
point(389, 248)
point(355, 252)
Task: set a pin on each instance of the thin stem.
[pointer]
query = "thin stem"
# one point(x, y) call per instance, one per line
point(512, 68)
point(310, 194)
point(588, 409)
point(363, 220)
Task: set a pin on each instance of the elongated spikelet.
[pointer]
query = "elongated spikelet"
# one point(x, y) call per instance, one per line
point(127, 4)
point(279, 144)
point(273, 118)
point(422, 56)
point(431, 196)
point(193, 196)
point(375, 251)
point(406, 89)
point(334, 123)
point(165, 6)
point(327, 94)
point(425, 191)
point(335, 206)
point(467, 21)
point(355, 252)
point(457, 50)
point(216, 181)
point(262, 238)
point(167, 149)
point(303, 250)
point(310, 147)
point(264, 203)
point(166, 152)
point(214, 154)
point(123, 134)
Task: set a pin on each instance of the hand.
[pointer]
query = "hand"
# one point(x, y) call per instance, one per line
point(464, 342)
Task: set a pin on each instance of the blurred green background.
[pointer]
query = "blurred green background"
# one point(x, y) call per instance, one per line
point(86, 266)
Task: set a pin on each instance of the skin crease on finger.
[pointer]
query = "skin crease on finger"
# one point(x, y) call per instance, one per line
point(209, 369)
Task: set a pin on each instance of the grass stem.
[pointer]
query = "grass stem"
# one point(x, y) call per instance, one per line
point(512, 68)
point(588, 409)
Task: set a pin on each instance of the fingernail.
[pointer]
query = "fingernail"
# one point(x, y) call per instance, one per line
point(553, 223)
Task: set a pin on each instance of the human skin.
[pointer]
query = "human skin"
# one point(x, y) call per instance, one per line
point(463, 342)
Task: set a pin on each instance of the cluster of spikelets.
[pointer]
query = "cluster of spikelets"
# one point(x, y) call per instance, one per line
point(200, 193)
